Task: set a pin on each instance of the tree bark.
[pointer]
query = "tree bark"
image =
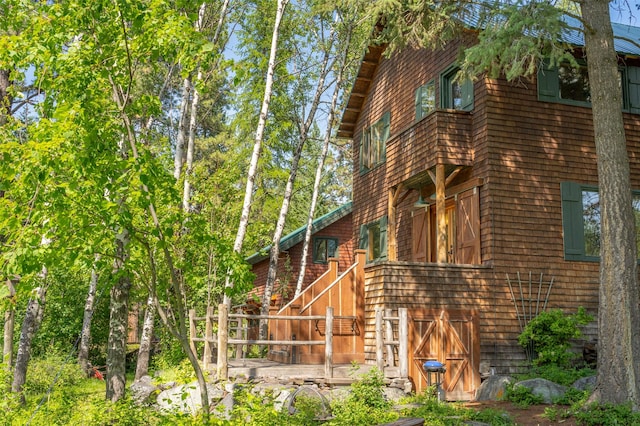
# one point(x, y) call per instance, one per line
point(257, 145)
point(5, 98)
point(618, 379)
point(142, 367)
point(85, 335)
point(30, 325)
point(118, 322)
point(178, 157)
point(9, 321)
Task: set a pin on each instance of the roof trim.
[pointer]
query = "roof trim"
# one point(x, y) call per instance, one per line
point(297, 236)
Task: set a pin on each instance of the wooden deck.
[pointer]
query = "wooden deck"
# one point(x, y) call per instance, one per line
point(260, 368)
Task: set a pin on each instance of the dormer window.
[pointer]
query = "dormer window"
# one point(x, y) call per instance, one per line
point(455, 93)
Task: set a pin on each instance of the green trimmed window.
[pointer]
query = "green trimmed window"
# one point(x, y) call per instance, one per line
point(455, 94)
point(570, 85)
point(425, 100)
point(581, 220)
point(373, 145)
point(373, 239)
point(324, 248)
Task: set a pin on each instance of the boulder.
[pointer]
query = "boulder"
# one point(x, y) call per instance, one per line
point(143, 391)
point(585, 383)
point(493, 388)
point(548, 390)
point(186, 398)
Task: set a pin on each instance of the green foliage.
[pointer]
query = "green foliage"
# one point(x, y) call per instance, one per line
point(522, 396)
point(366, 404)
point(607, 415)
point(573, 396)
point(549, 334)
point(561, 375)
point(42, 373)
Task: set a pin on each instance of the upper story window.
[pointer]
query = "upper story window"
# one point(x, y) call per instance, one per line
point(455, 94)
point(570, 85)
point(324, 248)
point(373, 239)
point(581, 221)
point(373, 143)
point(425, 100)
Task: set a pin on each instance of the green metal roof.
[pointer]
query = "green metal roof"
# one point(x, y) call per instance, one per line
point(297, 236)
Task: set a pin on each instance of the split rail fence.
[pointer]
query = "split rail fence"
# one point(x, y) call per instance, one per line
point(232, 332)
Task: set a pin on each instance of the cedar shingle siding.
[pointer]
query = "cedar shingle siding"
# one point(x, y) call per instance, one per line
point(517, 150)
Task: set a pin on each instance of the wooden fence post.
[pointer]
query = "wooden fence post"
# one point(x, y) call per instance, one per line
point(208, 337)
point(403, 346)
point(328, 348)
point(379, 340)
point(388, 329)
point(223, 337)
point(192, 331)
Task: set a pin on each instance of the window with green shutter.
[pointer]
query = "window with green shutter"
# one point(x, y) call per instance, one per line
point(581, 220)
point(373, 239)
point(373, 143)
point(570, 85)
point(455, 94)
point(425, 100)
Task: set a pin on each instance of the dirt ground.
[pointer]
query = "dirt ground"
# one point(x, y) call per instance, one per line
point(531, 416)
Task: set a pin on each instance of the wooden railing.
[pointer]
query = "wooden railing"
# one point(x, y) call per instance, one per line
point(387, 328)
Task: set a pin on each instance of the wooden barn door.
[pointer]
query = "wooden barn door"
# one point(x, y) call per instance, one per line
point(420, 235)
point(452, 338)
point(468, 229)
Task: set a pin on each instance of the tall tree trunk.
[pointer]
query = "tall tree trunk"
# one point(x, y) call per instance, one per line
point(325, 150)
point(5, 98)
point(288, 191)
point(85, 335)
point(618, 379)
point(30, 325)
point(178, 158)
point(142, 367)
point(257, 144)
point(9, 322)
point(118, 322)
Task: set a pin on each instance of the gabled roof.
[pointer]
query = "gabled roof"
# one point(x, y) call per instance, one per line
point(624, 38)
point(298, 235)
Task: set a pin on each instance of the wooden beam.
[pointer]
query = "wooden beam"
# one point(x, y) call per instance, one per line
point(441, 217)
point(452, 176)
point(392, 252)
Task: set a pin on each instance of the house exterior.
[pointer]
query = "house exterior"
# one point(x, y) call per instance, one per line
point(332, 237)
point(476, 202)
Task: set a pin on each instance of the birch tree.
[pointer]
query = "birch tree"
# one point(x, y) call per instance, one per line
point(257, 143)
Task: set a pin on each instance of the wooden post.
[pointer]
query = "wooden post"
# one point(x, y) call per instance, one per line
point(239, 348)
point(208, 337)
point(328, 348)
point(388, 329)
point(441, 216)
point(379, 340)
point(403, 349)
point(391, 224)
point(223, 337)
point(192, 331)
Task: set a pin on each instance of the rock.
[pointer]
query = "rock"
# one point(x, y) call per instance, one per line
point(186, 398)
point(548, 390)
point(143, 390)
point(393, 394)
point(493, 388)
point(585, 383)
point(223, 409)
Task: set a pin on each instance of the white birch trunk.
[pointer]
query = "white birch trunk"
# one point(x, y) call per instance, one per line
point(144, 352)
point(284, 210)
point(9, 321)
point(85, 334)
point(257, 145)
point(178, 158)
point(319, 169)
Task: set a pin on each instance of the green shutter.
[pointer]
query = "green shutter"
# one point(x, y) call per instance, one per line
point(633, 77)
point(383, 237)
point(548, 83)
point(386, 125)
point(572, 223)
point(466, 89)
point(418, 103)
point(364, 238)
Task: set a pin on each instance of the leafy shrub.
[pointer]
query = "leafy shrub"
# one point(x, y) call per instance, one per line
point(365, 405)
point(549, 334)
point(522, 396)
point(607, 415)
point(565, 376)
point(43, 372)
